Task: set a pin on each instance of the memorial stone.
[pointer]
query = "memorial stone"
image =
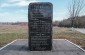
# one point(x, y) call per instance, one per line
point(40, 16)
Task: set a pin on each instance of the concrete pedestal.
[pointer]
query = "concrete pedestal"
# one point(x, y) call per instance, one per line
point(60, 47)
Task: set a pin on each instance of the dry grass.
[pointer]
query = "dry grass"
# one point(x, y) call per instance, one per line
point(66, 33)
point(12, 32)
point(12, 28)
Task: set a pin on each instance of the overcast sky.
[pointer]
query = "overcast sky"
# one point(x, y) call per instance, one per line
point(17, 10)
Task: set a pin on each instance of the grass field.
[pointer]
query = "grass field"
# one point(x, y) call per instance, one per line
point(12, 32)
point(66, 33)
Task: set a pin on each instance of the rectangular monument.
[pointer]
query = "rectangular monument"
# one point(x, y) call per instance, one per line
point(40, 16)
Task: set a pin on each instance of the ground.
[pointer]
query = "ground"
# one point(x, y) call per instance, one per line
point(59, 47)
point(9, 33)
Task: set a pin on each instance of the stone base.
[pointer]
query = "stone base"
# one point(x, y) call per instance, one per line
point(60, 47)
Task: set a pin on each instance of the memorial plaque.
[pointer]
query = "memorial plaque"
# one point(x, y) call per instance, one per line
point(40, 26)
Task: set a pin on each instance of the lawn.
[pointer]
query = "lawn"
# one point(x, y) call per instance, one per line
point(66, 33)
point(9, 33)
point(12, 32)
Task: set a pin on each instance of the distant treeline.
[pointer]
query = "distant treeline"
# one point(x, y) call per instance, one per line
point(13, 23)
point(79, 22)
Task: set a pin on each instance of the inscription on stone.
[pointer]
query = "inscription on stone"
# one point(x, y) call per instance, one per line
point(40, 26)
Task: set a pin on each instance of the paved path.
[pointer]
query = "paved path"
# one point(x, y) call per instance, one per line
point(80, 30)
point(60, 47)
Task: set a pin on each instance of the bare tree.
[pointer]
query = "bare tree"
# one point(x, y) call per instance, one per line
point(75, 8)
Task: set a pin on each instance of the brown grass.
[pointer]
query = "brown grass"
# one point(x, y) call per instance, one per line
point(66, 33)
point(12, 32)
